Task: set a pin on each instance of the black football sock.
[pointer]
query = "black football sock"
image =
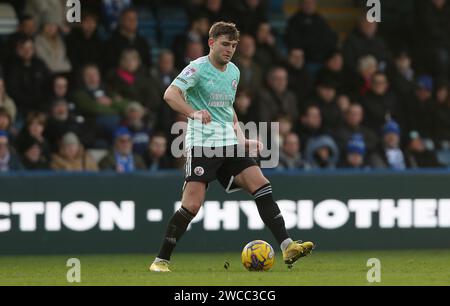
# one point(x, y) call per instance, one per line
point(270, 213)
point(176, 228)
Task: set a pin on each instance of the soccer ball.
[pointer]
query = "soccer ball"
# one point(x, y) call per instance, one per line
point(258, 255)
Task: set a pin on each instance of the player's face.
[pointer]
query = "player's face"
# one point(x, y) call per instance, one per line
point(223, 49)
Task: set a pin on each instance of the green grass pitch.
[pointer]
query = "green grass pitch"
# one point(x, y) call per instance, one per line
point(322, 268)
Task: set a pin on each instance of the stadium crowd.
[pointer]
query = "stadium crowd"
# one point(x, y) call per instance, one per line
point(362, 102)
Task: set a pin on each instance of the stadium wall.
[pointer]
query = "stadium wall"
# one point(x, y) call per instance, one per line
point(107, 213)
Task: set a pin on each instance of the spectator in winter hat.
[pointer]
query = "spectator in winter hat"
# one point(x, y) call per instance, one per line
point(72, 156)
point(355, 153)
point(121, 159)
point(391, 156)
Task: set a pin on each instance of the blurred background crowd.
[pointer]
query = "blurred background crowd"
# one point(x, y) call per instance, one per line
point(347, 93)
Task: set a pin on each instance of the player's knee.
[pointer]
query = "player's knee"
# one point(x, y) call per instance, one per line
point(193, 199)
point(192, 206)
point(260, 183)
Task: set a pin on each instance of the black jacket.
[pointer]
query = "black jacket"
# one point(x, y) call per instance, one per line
point(28, 85)
point(358, 45)
point(442, 123)
point(378, 109)
point(82, 50)
point(426, 159)
point(118, 43)
point(312, 34)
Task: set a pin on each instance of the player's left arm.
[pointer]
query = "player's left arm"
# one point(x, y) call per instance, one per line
point(253, 146)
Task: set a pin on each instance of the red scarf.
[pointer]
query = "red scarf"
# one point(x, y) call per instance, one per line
point(128, 77)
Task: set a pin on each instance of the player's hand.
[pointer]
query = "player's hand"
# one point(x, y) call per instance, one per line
point(253, 147)
point(204, 116)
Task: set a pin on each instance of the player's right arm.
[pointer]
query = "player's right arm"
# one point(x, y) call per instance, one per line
point(176, 93)
point(175, 98)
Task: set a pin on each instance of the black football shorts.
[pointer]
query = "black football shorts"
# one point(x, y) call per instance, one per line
point(204, 168)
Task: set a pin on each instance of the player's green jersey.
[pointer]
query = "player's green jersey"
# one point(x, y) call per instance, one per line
point(207, 88)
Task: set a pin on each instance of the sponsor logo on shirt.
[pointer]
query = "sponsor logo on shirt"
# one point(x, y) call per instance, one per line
point(188, 72)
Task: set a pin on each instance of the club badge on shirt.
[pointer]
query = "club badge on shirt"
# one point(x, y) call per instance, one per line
point(234, 84)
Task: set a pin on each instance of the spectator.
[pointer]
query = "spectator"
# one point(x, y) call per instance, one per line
point(309, 31)
point(60, 87)
point(290, 156)
point(322, 153)
point(343, 101)
point(61, 122)
point(334, 70)
point(72, 157)
point(127, 37)
point(27, 79)
point(300, 82)
point(50, 47)
point(60, 91)
point(121, 159)
point(250, 14)
point(434, 36)
point(277, 99)
point(365, 41)
point(6, 123)
point(403, 74)
point(164, 74)
point(8, 160)
point(355, 154)
point(6, 102)
point(216, 11)
point(197, 31)
point(391, 155)
point(101, 108)
point(244, 106)
point(442, 116)
point(418, 155)
point(131, 82)
point(420, 110)
point(112, 10)
point(137, 125)
point(156, 157)
point(33, 157)
point(361, 83)
point(310, 125)
point(27, 28)
point(194, 50)
point(266, 49)
point(34, 130)
point(286, 126)
point(52, 9)
point(165, 71)
point(83, 43)
point(326, 99)
point(403, 78)
point(354, 118)
point(380, 104)
point(251, 72)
